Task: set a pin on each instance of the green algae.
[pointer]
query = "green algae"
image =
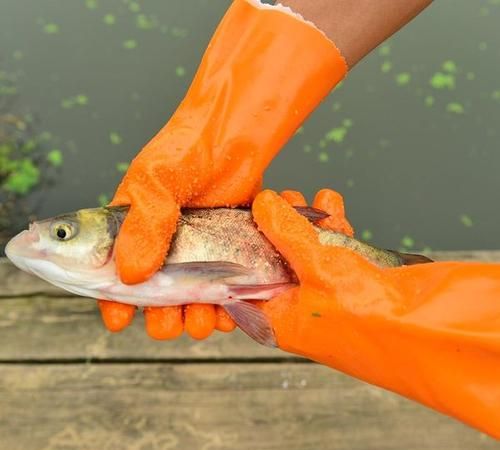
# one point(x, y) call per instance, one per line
point(384, 50)
point(81, 100)
point(109, 19)
point(408, 242)
point(338, 134)
point(115, 138)
point(76, 100)
point(466, 221)
point(23, 177)
point(91, 4)
point(386, 67)
point(442, 80)
point(122, 167)
point(449, 66)
point(366, 235)
point(134, 7)
point(403, 78)
point(323, 157)
point(455, 108)
point(129, 44)
point(55, 157)
point(103, 199)
point(180, 71)
point(145, 22)
point(51, 28)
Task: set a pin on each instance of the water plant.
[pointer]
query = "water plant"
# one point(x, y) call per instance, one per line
point(28, 164)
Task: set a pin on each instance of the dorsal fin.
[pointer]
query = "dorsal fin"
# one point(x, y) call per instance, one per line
point(312, 214)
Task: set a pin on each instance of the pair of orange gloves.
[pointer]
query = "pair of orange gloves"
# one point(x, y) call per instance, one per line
point(428, 332)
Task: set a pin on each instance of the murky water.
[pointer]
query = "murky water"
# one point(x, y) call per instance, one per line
point(411, 138)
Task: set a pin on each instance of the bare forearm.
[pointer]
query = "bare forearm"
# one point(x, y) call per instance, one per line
point(358, 26)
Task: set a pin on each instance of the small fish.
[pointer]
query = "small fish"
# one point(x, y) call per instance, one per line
point(216, 256)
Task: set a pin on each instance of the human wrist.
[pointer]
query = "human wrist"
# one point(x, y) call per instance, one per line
point(357, 26)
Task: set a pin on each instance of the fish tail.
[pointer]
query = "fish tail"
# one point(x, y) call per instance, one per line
point(410, 259)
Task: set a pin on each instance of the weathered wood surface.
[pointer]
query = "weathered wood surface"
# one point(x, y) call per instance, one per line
point(66, 383)
point(44, 328)
point(213, 406)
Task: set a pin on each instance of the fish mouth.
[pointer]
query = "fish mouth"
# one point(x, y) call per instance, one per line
point(21, 247)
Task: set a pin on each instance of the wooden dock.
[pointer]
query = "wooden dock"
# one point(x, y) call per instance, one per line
point(66, 383)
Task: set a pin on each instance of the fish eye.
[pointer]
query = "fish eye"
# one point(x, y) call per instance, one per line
point(63, 231)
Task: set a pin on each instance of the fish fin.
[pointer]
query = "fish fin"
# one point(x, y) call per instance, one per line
point(411, 259)
point(258, 291)
point(252, 321)
point(312, 214)
point(211, 270)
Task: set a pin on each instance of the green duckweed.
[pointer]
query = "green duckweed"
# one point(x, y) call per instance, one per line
point(455, 108)
point(466, 221)
point(55, 157)
point(115, 138)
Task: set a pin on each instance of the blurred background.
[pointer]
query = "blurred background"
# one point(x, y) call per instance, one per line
point(411, 138)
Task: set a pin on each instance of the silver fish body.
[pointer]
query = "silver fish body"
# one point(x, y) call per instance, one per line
point(216, 256)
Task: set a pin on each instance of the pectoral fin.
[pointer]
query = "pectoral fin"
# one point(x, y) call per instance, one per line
point(209, 270)
point(251, 321)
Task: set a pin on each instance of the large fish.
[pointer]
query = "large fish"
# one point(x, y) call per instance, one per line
point(217, 256)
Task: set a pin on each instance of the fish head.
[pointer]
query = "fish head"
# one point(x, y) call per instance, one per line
point(71, 243)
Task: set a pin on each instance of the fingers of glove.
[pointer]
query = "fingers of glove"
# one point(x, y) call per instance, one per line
point(199, 320)
point(288, 231)
point(296, 239)
point(116, 316)
point(164, 322)
point(223, 321)
point(332, 203)
point(144, 237)
point(294, 198)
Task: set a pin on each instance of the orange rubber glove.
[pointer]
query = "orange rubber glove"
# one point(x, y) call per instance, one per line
point(430, 332)
point(262, 74)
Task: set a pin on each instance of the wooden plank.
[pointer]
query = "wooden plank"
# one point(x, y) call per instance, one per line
point(213, 406)
point(15, 283)
point(44, 328)
point(465, 255)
